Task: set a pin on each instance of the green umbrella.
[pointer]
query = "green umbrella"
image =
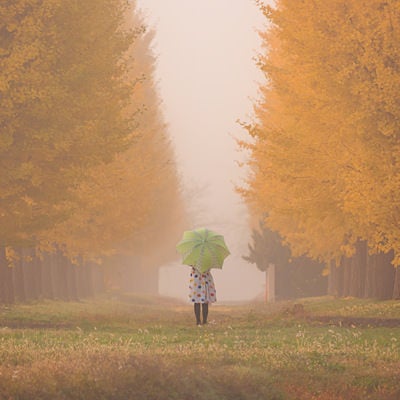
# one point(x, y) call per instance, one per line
point(203, 249)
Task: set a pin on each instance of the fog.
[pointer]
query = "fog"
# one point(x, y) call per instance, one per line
point(207, 80)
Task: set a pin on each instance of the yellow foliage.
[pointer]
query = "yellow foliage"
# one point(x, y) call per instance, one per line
point(325, 157)
point(122, 204)
point(64, 98)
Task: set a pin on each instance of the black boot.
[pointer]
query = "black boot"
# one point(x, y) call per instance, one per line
point(197, 313)
point(205, 312)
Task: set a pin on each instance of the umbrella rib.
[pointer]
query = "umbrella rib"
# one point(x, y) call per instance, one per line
point(214, 257)
point(201, 255)
point(200, 235)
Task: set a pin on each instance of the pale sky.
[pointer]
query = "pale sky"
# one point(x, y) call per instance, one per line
point(207, 79)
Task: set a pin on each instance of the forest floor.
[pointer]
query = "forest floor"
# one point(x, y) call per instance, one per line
point(123, 346)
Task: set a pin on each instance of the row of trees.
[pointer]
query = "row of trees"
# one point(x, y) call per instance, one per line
point(87, 172)
point(325, 148)
point(50, 276)
point(295, 277)
point(364, 275)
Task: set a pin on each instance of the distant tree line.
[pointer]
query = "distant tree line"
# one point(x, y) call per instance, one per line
point(363, 275)
point(87, 172)
point(325, 143)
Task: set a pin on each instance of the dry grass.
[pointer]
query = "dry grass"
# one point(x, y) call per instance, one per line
point(131, 347)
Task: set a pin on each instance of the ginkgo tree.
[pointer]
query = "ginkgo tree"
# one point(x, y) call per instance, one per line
point(64, 95)
point(119, 201)
point(86, 161)
point(325, 152)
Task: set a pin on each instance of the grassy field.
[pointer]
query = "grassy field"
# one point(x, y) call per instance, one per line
point(137, 347)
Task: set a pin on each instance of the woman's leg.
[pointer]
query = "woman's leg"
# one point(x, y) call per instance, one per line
point(205, 312)
point(197, 313)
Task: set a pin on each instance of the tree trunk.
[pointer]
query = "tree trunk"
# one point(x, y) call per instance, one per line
point(340, 278)
point(47, 276)
point(346, 265)
point(396, 286)
point(19, 281)
point(88, 269)
point(71, 280)
point(336, 278)
point(26, 265)
point(29, 264)
point(38, 274)
point(6, 280)
point(331, 279)
point(358, 270)
point(98, 279)
point(85, 280)
point(385, 276)
point(80, 283)
point(60, 279)
point(370, 277)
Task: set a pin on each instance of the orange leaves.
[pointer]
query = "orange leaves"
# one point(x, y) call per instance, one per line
point(79, 164)
point(115, 207)
point(325, 160)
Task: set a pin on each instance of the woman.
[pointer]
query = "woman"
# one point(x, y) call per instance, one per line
point(202, 292)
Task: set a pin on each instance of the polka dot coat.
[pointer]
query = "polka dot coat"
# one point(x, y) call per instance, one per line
point(201, 287)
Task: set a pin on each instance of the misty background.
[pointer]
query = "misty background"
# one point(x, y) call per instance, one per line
point(207, 80)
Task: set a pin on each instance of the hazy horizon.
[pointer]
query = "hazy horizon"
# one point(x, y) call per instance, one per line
point(208, 80)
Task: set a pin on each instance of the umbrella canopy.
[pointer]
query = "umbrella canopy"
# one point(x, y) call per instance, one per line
point(203, 249)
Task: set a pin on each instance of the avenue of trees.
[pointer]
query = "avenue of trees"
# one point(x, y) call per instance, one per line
point(87, 173)
point(325, 143)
